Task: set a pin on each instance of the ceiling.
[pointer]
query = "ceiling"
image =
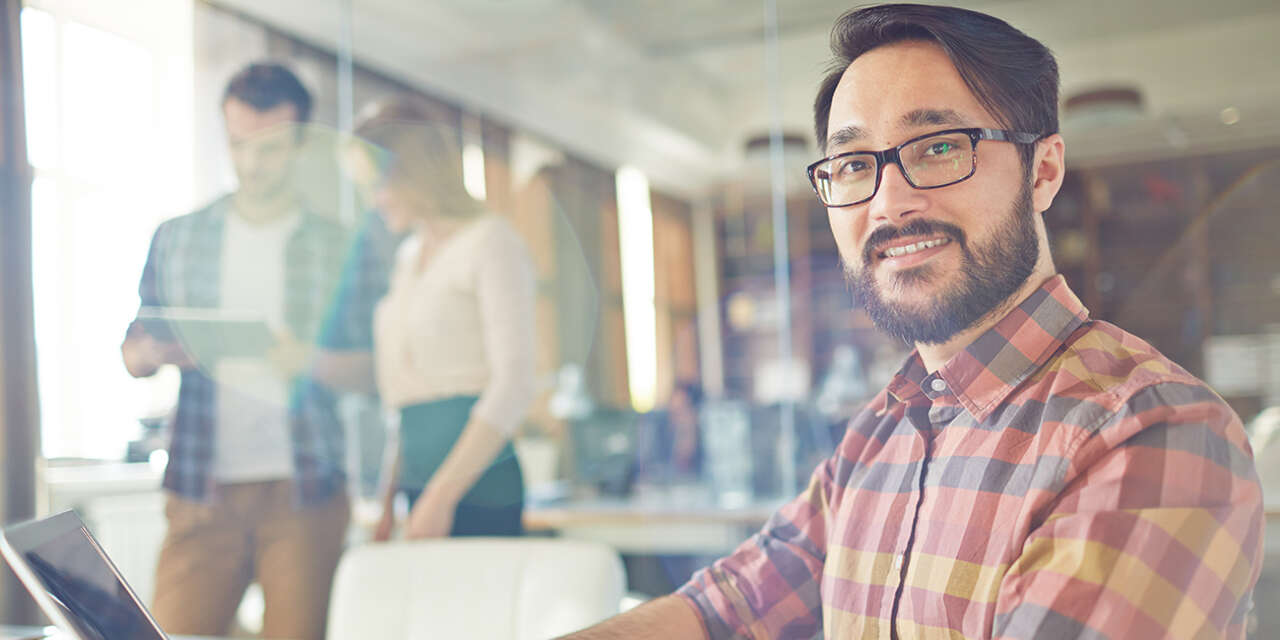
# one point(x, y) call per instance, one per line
point(676, 88)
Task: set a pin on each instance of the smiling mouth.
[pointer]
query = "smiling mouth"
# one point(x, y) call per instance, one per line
point(894, 252)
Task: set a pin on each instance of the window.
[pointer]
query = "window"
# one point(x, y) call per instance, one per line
point(109, 125)
point(635, 242)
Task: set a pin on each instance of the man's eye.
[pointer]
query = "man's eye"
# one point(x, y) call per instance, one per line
point(853, 168)
point(939, 149)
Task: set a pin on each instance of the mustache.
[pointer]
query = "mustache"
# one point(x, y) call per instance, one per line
point(917, 227)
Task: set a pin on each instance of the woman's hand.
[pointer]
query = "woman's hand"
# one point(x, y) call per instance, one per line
point(432, 516)
point(386, 524)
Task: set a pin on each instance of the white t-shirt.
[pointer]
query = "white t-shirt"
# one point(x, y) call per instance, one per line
point(252, 432)
point(463, 325)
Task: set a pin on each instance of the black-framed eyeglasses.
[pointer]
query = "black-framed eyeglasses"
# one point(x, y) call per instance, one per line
point(929, 161)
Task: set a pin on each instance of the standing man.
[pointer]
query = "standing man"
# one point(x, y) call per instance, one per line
point(1029, 472)
point(255, 480)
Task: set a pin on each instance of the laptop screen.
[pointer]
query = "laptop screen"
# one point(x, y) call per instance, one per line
point(83, 584)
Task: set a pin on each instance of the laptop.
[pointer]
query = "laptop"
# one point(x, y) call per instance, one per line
point(74, 581)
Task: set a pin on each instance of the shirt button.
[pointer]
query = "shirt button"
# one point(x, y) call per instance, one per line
point(897, 562)
point(938, 385)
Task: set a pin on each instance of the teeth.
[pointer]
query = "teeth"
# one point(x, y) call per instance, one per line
point(912, 248)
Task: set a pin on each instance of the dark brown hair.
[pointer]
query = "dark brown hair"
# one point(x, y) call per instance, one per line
point(1013, 75)
point(267, 85)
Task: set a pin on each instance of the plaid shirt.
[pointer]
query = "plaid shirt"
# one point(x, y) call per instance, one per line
point(332, 283)
point(1059, 478)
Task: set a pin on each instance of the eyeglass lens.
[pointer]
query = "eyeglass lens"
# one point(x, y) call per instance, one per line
point(929, 162)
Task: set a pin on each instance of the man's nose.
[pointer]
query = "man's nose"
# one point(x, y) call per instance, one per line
point(896, 198)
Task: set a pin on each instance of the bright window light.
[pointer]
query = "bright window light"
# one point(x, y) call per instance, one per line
point(47, 277)
point(473, 170)
point(108, 105)
point(635, 244)
point(110, 131)
point(39, 77)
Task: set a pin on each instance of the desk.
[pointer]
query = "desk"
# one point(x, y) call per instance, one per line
point(124, 507)
point(654, 525)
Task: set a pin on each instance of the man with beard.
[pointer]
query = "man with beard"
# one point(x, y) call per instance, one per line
point(1029, 472)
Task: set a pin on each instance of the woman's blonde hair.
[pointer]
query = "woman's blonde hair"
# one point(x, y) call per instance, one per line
point(421, 154)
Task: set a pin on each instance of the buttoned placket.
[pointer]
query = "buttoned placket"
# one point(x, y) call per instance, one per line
point(918, 416)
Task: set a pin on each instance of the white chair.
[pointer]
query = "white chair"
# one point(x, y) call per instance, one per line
point(491, 588)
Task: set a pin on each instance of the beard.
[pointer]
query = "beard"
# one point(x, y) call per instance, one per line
point(990, 274)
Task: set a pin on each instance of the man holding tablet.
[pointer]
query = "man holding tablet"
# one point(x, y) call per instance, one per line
point(255, 478)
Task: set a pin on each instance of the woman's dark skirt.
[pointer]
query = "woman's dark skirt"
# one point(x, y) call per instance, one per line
point(428, 431)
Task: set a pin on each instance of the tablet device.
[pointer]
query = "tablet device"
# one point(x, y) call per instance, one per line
point(74, 581)
point(209, 334)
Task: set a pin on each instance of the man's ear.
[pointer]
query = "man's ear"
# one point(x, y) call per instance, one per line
point(1048, 167)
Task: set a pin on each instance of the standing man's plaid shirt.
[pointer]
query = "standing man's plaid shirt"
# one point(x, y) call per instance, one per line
point(1057, 479)
point(333, 280)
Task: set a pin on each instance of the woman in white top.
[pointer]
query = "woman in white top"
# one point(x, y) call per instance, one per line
point(454, 337)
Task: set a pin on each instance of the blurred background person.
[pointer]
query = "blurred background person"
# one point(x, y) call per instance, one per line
point(669, 447)
point(255, 479)
point(454, 335)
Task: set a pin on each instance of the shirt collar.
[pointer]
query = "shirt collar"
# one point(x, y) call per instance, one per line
point(984, 374)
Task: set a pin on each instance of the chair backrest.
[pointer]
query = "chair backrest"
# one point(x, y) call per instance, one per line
point(492, 588)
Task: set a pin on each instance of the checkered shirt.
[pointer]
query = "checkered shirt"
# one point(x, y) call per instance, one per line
point(333, 280)
point(1059, 478)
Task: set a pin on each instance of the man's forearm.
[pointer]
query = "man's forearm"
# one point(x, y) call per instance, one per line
point(667, 618)
point(344, 370)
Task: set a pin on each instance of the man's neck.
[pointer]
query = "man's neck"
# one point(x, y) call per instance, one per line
point(263, 210)
point(935, 355)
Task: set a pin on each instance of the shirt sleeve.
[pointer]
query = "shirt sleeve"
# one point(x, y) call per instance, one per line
point(1158, 531)
point(505, 290)
point(149, 284)
point(362, 282)
point(770, 586)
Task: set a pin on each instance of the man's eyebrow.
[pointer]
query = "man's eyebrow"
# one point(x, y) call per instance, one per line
point(845, 135)
point(924, 117)
point(914, 119)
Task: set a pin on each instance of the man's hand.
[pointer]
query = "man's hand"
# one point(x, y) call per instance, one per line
point(289, 356)
point(144, 354)
point(432, 515)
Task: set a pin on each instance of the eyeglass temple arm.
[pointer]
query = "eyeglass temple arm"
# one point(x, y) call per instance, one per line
point(1001, 135)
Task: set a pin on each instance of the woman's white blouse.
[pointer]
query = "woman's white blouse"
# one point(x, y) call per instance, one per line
point(462, 325)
